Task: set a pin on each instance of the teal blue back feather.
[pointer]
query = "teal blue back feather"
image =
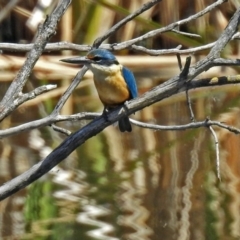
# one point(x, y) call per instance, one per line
point(130, 80)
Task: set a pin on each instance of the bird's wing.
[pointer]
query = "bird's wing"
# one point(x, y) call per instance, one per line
point(131, 83)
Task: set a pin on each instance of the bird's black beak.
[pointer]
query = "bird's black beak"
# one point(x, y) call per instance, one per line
point(77, 60)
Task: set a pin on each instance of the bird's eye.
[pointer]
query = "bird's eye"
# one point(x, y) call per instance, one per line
point(96, 59)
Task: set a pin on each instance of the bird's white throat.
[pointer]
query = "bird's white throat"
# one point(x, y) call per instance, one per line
point(102, 69)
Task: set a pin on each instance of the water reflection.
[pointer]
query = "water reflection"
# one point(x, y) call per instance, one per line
point(90, 216)
point(143, 185)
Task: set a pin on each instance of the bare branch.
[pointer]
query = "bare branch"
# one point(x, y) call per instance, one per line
point(167, 28)
point(142, 9)
point(226, 36)
point(69, 91)
point(217, 152)
point(186, 34)
point(179, 59)
point(192, 118)
point(47, 121)
point(33, 94)
point(16, 47)
point(205, 123)
point(45, 33)
point(154, 52)
point(61, 130)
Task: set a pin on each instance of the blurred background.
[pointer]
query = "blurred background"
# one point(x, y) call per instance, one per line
point(144, 185)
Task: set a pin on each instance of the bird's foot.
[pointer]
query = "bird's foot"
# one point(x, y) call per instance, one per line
point(124, 108)
point(105, 114)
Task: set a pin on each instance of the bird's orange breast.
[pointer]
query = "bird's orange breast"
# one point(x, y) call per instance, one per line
point(112, 89)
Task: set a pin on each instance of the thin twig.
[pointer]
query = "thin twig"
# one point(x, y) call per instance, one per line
point(186, 34)
point(61, 130)
point(179, 61)
point(188, 62)
point(47, 121)
point(217, 151)
point(33, 94)
point(192, 118)
point(69, 91)
point(192, 125)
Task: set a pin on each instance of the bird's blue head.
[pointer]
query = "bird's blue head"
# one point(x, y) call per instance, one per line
point(102, 57)
point(96, 56)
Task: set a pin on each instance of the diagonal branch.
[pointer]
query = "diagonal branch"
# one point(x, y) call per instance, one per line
point(113, 29)
point(69, 90)
point(45, 33)
point(167, 28)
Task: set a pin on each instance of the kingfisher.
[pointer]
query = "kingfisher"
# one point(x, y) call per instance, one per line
point(115, 83)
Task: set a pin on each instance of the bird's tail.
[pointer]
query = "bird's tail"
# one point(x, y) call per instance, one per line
point(124, 124)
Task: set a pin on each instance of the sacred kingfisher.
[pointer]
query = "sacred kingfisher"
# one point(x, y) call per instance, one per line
point(115, 83)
